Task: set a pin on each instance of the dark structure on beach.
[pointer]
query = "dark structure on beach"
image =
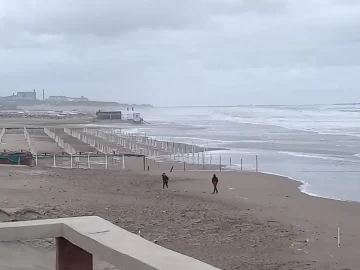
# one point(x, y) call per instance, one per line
point(108, 115)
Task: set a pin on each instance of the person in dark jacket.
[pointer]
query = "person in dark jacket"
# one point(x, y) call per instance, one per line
point(215, 181)
point(165, 179)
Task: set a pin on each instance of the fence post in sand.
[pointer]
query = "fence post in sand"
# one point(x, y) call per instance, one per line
point(241, 165)
point(106, 161)
point(184, 166)
point(193, 152)
point(198, 157)
point(220, 164)
point(54, 161)
point(88, 161)
point(203, 161)
point(257, 163)
point(123, 162)
point(144, 163)
point(71, 161)
point(230, 161)
point(338, 238)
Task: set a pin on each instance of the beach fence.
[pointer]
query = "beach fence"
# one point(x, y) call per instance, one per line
point(158, 154)
point(164, 151)
point(29, 141)
point(60, 142)
point(90, 161)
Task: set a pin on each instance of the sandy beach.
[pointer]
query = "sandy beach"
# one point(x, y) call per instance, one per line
point(257, 221)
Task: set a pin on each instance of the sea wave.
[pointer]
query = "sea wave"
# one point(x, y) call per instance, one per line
point(317, 156)
point(332, 123)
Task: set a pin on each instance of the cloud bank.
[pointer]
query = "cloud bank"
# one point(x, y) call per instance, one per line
point(189, 52)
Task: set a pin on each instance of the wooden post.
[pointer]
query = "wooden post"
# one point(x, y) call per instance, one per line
point(220, 164)
point(36, 160)
point(123, 162)
point(144, 161)
point(230, 161)
point(203, 160)
point(257, 164)
point(71, 161)
point(88, 160)
point(106, 161)
point(71, 257)
point(241, 164)
point(54, 161)
point(184, 166)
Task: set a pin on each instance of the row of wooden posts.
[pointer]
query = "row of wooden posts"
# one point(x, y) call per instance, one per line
point(67, 147)
point(29, 141)
point(120, 139)
point(75, 161)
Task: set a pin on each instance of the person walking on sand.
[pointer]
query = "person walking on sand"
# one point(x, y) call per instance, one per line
point(165, 179)
point(215, 181)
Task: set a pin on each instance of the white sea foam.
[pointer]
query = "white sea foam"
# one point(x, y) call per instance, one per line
point(319, 121)
point(316, 156)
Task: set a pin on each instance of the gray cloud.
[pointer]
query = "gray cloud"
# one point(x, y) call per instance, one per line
point(183, 52)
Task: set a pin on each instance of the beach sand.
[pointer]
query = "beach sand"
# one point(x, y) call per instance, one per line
point(257, 221)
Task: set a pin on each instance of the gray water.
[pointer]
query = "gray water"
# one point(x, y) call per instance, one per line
point(318, 145)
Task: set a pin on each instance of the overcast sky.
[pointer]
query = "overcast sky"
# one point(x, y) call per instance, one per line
point(183, 52)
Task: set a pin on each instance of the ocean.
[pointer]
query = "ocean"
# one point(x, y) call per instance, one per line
point(318, 145)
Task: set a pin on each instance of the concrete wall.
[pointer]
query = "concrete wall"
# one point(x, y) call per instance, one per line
point(96, 236)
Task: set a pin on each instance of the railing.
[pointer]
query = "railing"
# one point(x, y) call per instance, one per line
point(78, 239)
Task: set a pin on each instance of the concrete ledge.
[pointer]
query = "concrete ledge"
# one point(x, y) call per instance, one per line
point(104, 240)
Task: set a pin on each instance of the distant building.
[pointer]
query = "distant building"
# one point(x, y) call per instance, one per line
point(108, 115)
point(132, 117)
point(31, 95)
point(76, 99)
point(57, 99)
point(65, 99)
point(26, 95)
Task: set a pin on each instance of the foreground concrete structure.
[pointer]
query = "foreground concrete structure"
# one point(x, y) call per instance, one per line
point(79, 238)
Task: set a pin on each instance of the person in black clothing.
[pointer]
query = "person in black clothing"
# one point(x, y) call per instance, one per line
point(215, 181)
point(165, 179)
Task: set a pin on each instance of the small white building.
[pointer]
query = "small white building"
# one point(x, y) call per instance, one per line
point(132, 116)
point(136, 117)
